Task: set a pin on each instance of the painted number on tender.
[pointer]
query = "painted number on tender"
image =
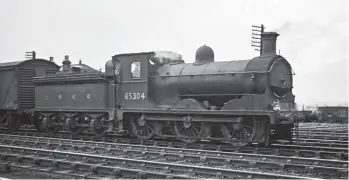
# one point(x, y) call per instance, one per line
point(134, 96)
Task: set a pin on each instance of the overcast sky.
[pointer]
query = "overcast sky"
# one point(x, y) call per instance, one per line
point(313, 34)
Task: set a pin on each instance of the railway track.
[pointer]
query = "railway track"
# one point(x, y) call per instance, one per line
point(305, 159)
point(342, 129)
point(302, 166)
point(304, 134)
point(73, 164)
point(319, 143)
point(339, 145)
point(285, 150)
point(305, 139)
point(96, 166)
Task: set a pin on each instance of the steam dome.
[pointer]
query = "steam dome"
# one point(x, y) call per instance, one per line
point(204, 55)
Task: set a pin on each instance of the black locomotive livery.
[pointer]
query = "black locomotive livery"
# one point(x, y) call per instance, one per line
point(157, 94)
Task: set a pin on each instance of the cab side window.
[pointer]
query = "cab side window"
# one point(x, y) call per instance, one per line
point(136, 70)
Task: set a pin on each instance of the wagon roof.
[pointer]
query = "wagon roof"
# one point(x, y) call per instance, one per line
point(17, 63)
point(12, 63)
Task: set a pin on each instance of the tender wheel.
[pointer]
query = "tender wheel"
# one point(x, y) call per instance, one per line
point(48, 126)
point(143, 129)
point(12, 122)
point(38, 123)
point(97, 127)
point(72, 125)
point(242, 130)
point(189, 128)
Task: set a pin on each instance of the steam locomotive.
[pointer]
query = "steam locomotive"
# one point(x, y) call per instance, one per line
point(157, 94)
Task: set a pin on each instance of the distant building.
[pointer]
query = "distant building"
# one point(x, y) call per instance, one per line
point(332, 113)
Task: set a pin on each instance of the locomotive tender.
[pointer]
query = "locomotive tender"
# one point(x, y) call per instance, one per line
point(157, 94)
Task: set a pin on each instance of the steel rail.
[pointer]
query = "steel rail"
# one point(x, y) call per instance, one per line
point(312, 147)
point(318, 132)
point(98, 162)
point(319, 143)
point(344, 134)
point(325, 129)
point(323, 140)
point(322, 128)
point(326, 137)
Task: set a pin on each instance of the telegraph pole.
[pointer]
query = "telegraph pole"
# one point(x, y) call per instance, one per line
point(257, 37)
point(30, 55)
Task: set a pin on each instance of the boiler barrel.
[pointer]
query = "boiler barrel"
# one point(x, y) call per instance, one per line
point(229, 77)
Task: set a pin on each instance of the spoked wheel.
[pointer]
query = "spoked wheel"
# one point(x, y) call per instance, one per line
point(143, 129)
point(71, 123)
point(48, 126)
point(97, 127)
point(242, 130)
point(12, 122)
point(190, 129)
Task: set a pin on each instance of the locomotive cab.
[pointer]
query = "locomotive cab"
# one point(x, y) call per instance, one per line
point(130, 73)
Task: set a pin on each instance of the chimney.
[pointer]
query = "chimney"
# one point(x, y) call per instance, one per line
point(269, 43)
point(66, 63)
point(51, 59)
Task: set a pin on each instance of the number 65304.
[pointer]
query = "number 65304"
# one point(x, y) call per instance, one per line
point(134, 96)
